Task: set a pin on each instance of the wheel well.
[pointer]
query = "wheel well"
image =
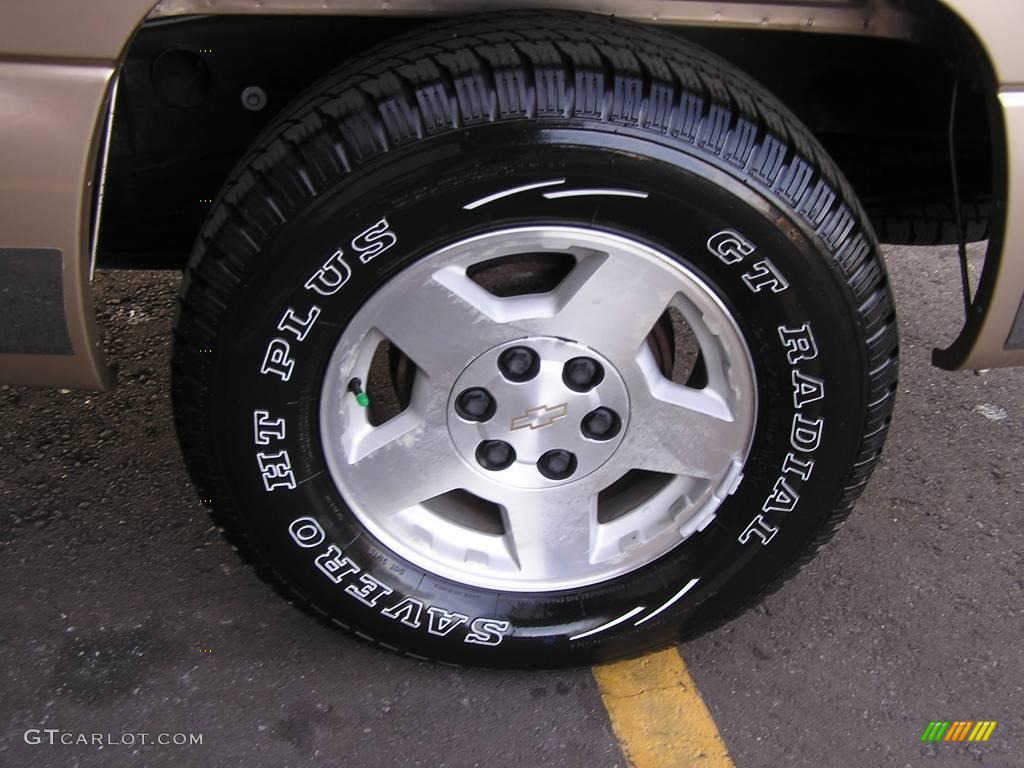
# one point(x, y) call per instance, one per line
point(879, 106)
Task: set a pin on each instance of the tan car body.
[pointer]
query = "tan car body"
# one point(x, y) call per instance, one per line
point(58, 65)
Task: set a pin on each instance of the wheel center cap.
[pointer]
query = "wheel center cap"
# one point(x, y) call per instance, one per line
point(538, 412)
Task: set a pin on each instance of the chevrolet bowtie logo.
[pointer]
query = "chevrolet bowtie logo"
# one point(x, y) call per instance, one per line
point(541, 416)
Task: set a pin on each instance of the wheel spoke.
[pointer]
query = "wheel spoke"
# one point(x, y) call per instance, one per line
point(439, 329)
point(403, 473)
point(616, 537)
point(610, 302)
point(676, 429)
point(682, 431)
point(550, 534)
point(404, 461)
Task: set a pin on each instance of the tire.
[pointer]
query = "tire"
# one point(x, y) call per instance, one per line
point(573, 143)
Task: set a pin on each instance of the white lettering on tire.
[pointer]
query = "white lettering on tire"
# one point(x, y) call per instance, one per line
point(806, 389)
point(331, 276)
point(440, 622)
point(369, 590)
point(297, 326)
point(730, 246)
point(764, 274)
point(759, 528)
point(375, 593)
point(487, 631)
point(264, 428)
point(335, 565)
point(278, 359)
point(782, 498)
point(799, 467)
point(407, 611)
point(306, 532)
point(276, 469)
point(799, 343)
point(374, 241)
point(805, 434)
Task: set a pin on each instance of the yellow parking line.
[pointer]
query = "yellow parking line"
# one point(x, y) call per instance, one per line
point(658, 715)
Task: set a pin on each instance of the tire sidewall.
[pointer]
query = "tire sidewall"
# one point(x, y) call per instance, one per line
point(422, 194)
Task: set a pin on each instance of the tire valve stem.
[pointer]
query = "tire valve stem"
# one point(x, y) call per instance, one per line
point(356, 388)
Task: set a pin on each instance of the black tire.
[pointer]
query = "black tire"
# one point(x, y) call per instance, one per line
point(448, 115)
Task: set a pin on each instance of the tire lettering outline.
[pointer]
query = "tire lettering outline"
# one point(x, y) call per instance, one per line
point(276, 469)
point(335, 565)
point(800, 467)
point(264, 428)
point(805, 434)
point(331, 276)
point(764, 274)
point(298, 327)
point(799, 343)
point(782, 499)
point(278, 359)
point(306, 532)
point(806, 389)
point(372, 242)
point(730, 246)
point(372, 592)
point(408, 611)
point(760, 528)
point(440, 621)
point(487, 631)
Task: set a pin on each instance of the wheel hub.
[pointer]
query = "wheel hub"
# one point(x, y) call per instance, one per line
point(538, 412)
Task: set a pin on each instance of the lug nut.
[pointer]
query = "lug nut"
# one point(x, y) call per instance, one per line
point(519, 364)
point(582, 374)
point(601, 424)
point(495, 455)
point(557, 464)
point(475, 404)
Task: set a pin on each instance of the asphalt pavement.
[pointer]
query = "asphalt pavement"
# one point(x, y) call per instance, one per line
point(123, 612)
